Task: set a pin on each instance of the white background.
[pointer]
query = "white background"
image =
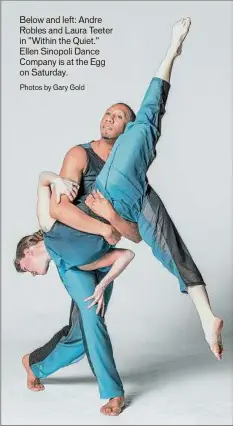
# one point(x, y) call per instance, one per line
point(158, 343)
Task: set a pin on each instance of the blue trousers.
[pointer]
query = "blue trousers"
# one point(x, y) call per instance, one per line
point(123, 181)
point(86, 335)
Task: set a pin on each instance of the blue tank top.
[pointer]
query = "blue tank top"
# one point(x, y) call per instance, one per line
point(69, 245)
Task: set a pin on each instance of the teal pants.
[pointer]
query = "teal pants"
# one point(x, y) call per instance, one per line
point(139, 142)
point(86, 335)
point(123, 181)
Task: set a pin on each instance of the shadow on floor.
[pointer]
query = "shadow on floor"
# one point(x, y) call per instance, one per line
point(145, 374)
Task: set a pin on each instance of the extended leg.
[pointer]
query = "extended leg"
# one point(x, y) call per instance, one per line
point(123, 179)
point(159, 232)
point(61, 350)
point(65, 347)
point(96, 340)
point(211, 325)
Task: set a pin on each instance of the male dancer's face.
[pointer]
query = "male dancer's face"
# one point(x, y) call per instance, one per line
point(114, 121)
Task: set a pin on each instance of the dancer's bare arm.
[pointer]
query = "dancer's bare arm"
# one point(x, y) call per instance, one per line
point(62, 186)
point(119, 259)
point(127, 229)
point(73, 167)
point(102, 207)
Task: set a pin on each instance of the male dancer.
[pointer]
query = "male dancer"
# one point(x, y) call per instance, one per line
point(167, 256)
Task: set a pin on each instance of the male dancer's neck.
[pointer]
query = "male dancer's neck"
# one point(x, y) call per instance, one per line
point(103, 147)
point(108, 141)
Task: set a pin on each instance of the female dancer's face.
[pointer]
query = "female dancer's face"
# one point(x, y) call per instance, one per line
point(35, 263)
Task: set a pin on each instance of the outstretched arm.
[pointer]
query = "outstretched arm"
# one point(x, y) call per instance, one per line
point(119, 259)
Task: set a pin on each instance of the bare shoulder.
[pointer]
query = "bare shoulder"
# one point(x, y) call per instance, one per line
point(74, 163)
point(77, 154)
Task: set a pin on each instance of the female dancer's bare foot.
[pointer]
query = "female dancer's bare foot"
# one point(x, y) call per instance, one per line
point(113, 407)
point(33, 383)
point(213, 337)
point(180, 31)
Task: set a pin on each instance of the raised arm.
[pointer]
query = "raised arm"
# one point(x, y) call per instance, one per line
point(119, 259)
point(73, 167)
point(62, 186)
point(43, 201)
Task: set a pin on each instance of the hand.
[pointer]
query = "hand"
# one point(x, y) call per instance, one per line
point(99, 205)
point(65, 186)
point(111, 235)
point(98, 297)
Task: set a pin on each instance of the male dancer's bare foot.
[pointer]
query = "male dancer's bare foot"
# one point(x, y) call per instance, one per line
point(33, 383)
point(113, 407)
point(213, 337)
point(180, 31)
